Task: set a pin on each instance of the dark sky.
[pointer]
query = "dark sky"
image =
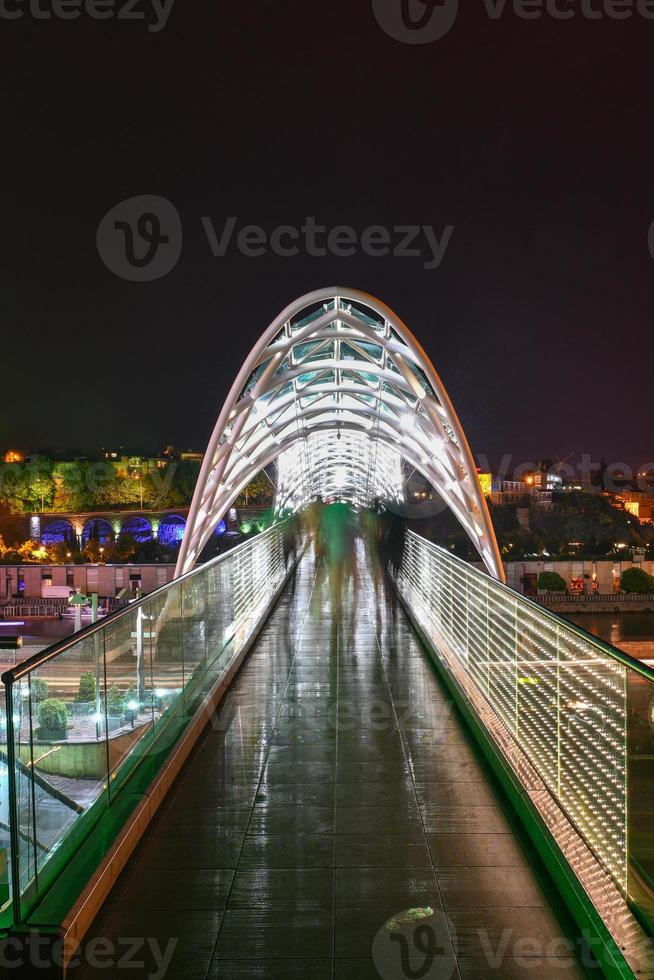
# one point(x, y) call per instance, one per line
point(534, 139)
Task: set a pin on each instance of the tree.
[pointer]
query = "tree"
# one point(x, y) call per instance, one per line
point(34, 551)
point(124, 549)
point(40, 491)
point(71, 487)
point(176, 483)
point(86, 690)
point(34, 488)
point(551, 582)
point(637, 580)
point(11, 483)
point(38, 690)
point(91, 550)
point(63, 553)
point(258, 491)
point(115, 702)
point(52, 715)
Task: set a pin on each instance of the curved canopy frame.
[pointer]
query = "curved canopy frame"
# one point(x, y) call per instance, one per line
point(338, 364)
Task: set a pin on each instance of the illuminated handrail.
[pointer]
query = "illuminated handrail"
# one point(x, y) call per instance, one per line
point(579, 710)
point(620, 655)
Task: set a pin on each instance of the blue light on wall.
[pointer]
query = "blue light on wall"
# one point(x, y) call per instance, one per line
point(59, 532)
point(221, 527)
point(171, 530)
point(97, 529)
point(137, 528)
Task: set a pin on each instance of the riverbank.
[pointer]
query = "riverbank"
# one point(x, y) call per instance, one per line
point(616, 603)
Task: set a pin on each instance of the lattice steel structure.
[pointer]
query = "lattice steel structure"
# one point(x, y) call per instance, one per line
point(339, 392)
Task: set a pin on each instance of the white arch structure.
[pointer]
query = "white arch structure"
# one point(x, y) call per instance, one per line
point(338, 391)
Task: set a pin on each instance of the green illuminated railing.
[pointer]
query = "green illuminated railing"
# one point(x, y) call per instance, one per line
point(80, 718)
point(581, 711)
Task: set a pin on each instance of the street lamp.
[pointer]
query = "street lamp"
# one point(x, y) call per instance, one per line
point(140, 482)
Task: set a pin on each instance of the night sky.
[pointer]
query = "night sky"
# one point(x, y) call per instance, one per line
point(533, 138)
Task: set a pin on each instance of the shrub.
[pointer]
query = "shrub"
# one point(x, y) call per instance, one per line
point(636, 580)
point(131, 695)
point(52, 715)
point(86, 691)
point(39, 689)
point(551, 582)
point(115, 702)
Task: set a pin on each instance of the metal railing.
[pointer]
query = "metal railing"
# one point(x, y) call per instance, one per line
point(581, 711)
point(598, 597)
point(80, 716)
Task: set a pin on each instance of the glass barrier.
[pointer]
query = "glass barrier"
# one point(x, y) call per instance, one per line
point(581, 710)
point(78, 719)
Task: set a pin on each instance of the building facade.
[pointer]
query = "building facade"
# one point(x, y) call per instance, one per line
point(36, 581)
point(581, 577)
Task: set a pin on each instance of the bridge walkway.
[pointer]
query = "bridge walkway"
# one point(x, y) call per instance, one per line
point(334, 789)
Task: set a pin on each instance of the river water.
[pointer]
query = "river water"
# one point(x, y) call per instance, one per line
point(37, 634)
point(620, 629)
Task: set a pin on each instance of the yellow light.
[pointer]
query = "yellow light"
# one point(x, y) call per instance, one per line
point(486, 481)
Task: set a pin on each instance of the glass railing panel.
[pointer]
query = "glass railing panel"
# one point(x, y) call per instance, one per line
point(86, 716)
point(502, 652)
point(28, 848)
point(168, 654)
point(580, 710)
point(5, 833)
point(218, 609)
point(478, 633)
point(640, 802)
point(537, 684)
point(592, 747)
point(194, 628)
point(68, 754)
point(128, 709)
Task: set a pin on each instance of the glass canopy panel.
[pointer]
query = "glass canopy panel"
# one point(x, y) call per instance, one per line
point(315, 314)
point(353, 466)
point(366, 317)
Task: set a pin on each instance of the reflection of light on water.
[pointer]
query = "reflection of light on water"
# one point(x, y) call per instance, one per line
point(615, 633)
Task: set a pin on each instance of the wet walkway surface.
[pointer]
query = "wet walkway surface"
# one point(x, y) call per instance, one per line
point(335, 790)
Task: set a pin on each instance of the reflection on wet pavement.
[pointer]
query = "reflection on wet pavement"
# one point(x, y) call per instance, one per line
point(335, 822)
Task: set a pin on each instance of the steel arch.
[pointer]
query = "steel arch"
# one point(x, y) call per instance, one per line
point(340, 361)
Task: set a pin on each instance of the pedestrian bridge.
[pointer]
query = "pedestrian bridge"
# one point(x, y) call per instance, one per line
point(426, 775)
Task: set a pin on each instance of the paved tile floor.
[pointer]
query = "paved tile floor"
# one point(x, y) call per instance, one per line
point(334, 790)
